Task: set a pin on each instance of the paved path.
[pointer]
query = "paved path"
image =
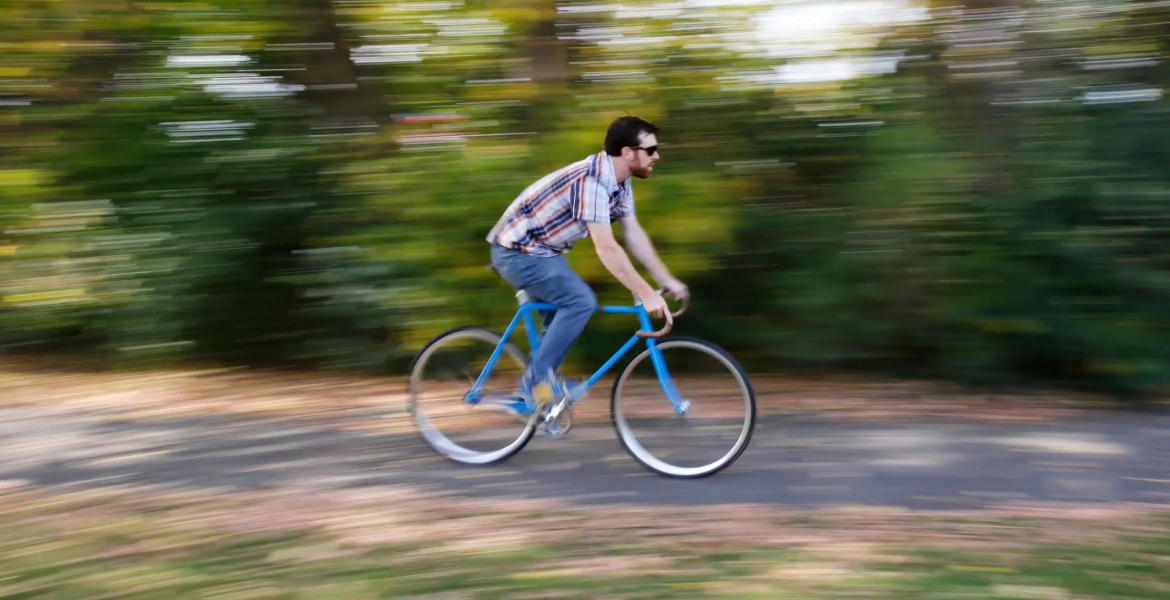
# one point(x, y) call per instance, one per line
point(793, 460)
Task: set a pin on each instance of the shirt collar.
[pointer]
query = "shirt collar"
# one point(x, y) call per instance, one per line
point(606, 173)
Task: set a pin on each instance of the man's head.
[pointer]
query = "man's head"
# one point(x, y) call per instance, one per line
point(633, 142)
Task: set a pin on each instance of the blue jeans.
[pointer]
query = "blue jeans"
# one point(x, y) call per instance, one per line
point(549, 279)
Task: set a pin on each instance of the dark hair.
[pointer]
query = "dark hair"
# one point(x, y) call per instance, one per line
point(624, 132)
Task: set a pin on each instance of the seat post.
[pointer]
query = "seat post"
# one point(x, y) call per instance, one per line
point(521, 297)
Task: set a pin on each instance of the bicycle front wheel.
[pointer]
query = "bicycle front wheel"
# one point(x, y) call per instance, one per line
point(717, 416)
point(480, 428)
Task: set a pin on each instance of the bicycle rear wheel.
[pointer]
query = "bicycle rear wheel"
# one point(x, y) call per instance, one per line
point(478, 429)
point(718, 416)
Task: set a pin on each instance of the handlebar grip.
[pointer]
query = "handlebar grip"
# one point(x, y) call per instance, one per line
point(655, 334)
point(686, 303)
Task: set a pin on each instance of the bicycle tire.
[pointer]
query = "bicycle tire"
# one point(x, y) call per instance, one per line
point(635, 449)
point(438, 441)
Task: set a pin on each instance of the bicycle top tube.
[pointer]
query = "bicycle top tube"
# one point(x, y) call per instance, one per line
point(526, 302)
point(613, 310)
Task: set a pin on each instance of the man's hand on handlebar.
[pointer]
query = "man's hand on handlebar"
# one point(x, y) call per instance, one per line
point(676, 289)
point(656, 306)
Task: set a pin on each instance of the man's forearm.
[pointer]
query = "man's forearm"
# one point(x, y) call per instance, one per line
point(616, 261)
point(639, 245)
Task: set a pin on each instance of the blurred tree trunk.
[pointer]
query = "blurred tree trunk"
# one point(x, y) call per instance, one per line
point(548, 56)
point(331, 78)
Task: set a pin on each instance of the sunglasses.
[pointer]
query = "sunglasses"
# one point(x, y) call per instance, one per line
point(650, 151)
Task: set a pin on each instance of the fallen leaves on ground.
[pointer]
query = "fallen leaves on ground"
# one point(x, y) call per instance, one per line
point(367, 402)
point(361, 543)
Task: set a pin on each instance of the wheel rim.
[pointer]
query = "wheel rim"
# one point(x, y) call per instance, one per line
point(744, 399)
point(464, 416)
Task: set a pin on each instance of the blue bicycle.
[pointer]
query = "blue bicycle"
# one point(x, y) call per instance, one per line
point(689, 411)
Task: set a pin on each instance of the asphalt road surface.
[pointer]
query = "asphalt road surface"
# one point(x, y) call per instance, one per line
point(798, 461)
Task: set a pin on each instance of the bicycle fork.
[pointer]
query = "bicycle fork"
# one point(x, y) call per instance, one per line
point(681, 405)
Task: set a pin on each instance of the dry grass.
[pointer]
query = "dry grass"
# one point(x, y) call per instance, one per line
point(397, 542)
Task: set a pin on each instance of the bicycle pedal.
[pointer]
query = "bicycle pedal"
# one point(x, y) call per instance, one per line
point(555, 420)
point(555, 430)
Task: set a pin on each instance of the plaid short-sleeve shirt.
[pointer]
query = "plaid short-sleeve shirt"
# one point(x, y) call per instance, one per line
point(549, 216)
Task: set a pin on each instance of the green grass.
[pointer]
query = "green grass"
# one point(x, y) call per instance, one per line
point(128, 547)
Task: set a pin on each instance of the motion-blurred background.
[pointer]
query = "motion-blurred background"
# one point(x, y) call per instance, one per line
point(974, 191)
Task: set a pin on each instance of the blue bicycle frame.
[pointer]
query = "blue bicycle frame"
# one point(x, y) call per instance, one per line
point(527, 313)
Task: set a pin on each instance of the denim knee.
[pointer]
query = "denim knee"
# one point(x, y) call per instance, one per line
point(584, 301)
point(593, 305)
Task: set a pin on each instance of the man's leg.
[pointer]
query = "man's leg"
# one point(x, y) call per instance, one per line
point(576, 304)
point(546, 317)
point(550, 279)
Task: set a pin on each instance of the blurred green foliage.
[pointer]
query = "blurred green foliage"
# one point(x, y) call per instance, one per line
point(309, 182)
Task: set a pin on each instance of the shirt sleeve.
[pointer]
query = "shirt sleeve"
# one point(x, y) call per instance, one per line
point(590, 201)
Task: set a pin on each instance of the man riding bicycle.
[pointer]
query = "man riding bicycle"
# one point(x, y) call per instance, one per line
point(580, 200)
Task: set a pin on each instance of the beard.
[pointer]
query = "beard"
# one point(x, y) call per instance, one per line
point(640, 172)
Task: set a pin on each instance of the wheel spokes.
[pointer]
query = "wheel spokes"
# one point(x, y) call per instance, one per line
point(700, 430)
point(468, 431)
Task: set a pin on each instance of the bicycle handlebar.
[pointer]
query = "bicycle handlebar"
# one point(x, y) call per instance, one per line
point(686, 303)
